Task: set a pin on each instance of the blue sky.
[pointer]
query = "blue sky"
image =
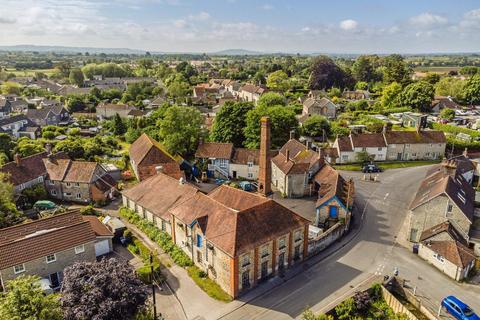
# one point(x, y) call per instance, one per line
point(341, 26)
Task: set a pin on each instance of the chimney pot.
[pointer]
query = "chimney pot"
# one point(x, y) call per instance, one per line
point(159, 169)
point(287, 154)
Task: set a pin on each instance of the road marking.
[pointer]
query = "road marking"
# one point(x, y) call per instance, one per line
point(386, 196)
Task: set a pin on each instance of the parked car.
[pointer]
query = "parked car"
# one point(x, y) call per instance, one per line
point(369, 168)
point(458, 309)
point(42, 205)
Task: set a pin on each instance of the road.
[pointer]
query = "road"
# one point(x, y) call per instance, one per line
point(381, 208)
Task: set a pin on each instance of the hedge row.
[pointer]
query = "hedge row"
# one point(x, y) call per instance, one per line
point(454, 129)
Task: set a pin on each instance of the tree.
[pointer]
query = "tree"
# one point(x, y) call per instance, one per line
point(118, 125)
point(450, 87)
point(447, 114)
point(27, 147)
point(309, 315)
point(418, 95)
point(24, 299)
point(11, 88)
point(75, 103)
point(282, 121)
point(469, 70)
point(72, 146)
point(396, 70)
point(271, 99)
point(6, 143)
point(103, 290)
point(390, 95)
point(363, 157)
point(316, 126)
point(278, 81)
point(180, 129)
point(326, 74)
point(346, 309)
point(471, 90)
point(363, 69)
point(76, 77)
point(9, 214)
point(432, 78)
point(229, 123)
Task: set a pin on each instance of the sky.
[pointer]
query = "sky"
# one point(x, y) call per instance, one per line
point(293, 26)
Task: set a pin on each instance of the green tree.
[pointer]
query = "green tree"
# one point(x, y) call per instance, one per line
point(447, 114)
point(27, 147)
point(180, 129)
point(229, 123)
point(346, 309)
point(396, 70)
point(73, 147)
point(432, 78)
point(271, 99)
point(118, 125)
point(76, 77)
point(75, 103)
point(6, 144)
point(469, 70)
point(390, 93)
point(450, 87)
point(11, 88)
point(25, 300)
point(9, 214)
point(316, 126)
point(417, 95)
point(278, 81)
point(363, 69)
point(472, 90)
point(282, 120)
point(309, 315)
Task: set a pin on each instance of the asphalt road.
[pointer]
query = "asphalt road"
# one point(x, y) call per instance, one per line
point(381, 208)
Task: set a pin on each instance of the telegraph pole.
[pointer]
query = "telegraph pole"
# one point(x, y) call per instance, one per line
point(153, 288)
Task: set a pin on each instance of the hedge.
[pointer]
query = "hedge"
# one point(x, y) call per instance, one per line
point(454, 129)
point(138, 248)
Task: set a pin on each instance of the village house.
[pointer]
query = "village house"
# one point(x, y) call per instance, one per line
point(439, 103)
point(109, 110)
point(49, 115)
point(443, 196)
point(19, 105)
point(5, 108)
point(335, 198)
point(20, 126)
point(47, 246)
point(251, 93)
point(392, 145)
point(414, 120)
point(78, 181)
point(356, 95)
point(293, 169)
point(148, 156)
point(446, 249)
point(321, 107)
point(28, 172)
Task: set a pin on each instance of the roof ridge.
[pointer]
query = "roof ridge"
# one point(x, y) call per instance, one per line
point(72, 211)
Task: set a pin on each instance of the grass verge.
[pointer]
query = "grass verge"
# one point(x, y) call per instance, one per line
point(386, 165)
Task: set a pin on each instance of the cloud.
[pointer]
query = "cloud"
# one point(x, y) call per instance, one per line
point(267, 7)
point(428, 20)
point(202, 16)
point(348, 25)
point(5, 20)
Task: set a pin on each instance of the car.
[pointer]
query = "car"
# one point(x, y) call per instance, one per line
point(458, 309)
point(369, 168)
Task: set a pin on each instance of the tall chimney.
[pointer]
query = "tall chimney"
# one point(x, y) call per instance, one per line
point(17, 159)
point(265, 172)
point(287, 154)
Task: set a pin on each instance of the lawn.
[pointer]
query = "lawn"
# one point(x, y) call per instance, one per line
point(386, 165)
point(30, 72)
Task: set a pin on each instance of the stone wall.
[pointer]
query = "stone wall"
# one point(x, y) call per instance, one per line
point(326, 239)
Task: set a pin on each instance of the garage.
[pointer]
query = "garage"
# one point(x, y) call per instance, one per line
point(102, 247)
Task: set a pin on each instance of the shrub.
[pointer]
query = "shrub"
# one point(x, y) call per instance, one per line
point(207, 284)
point(89, 211)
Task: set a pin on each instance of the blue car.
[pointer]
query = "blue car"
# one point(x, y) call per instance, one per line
point(458, 309)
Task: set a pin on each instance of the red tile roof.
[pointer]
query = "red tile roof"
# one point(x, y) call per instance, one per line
point(453, 251)
point(368, 140)
point(247, 225)
point(26, 242)
point(301, 159)
point(333, 184)
point(71, 171)
point(215, 150)
point(97, 226)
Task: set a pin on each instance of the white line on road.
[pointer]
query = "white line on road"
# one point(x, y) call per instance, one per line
point(386, 196)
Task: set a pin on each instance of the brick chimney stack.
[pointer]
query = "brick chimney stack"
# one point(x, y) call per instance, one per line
point(265, 173)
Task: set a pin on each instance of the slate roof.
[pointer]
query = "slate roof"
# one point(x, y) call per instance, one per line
point(16, 118)
point(215, 150)
point(26, 242)
point(42, 113)
point(310, 102)
point(300, 159)
point(249, 223)
point(30, 168)
point(159, 193)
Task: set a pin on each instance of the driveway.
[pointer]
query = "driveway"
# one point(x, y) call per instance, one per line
point(381, 208)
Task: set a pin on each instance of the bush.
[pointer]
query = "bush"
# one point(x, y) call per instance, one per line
point(207, 284)
point(89, 211)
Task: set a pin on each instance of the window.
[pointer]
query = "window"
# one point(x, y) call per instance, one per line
point(380, 149)
point(79, 249)
point(51, 258)
point(245, 260)
point(199, 241)
point(51, 182)
point(439, 257)
point(449, 209)
point(264, 252)
point(19, 269)
point(296, 254)
point(40, 179)
point(53, 192)
point(297, 236)
point(199, 257)
point(281, 243)
point(250, 175)
point(344, 157)
point(68, 194)
point(77, 184)
point(250, 164)
point(68, 184)
point(79, 196)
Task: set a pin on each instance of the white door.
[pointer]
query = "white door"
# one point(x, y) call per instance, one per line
point(101, 248)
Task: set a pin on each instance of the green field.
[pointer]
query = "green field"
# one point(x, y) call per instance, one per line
point(30, 72)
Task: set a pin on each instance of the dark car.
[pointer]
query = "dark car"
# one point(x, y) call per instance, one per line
point(458, 309)
point(369, 168)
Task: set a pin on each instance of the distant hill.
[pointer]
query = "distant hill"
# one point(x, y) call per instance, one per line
point(62, 49)
point(236, 52)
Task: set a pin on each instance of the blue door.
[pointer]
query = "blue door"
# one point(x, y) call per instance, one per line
point(199, 241)
point(333, 212)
